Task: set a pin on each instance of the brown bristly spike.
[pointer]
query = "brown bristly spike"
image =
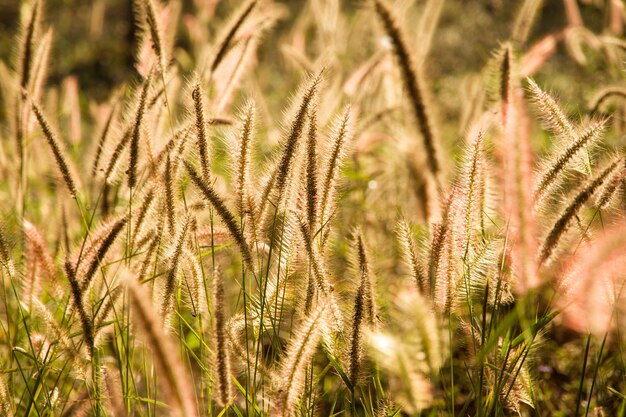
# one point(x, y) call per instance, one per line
point(194, 279)
point(77, 297)
point(440, 233)
point(555, 169)
point(155, 33)
point(224, 390)
point(169, 194)
point(176, 382)
point(317, 266)
point(201, 132)
point(560, 227)
point(170, 280)
point(5, 257)
point(609, 190)
point(320, 276)
point(310, 292)
point(296, 129)
point(413, 85)
point(312, 171)
point(27, 48)
point(156, 97)
point(366, 279)
point(145, 239)
point(552, 114)
point(65, 238)
point(104, 247)
point(364, 310)
point(127, 134)
point(505, 81)
point(334, 164)
point(356, 345)
point(6, 401)
point(226, 40)
point(136, 133)
point(59, 155)
point(242, 165)
point(225, 214)
point(311, 197)
point(299, 354)
point(471, 180)
point(411, 256)
point(24, 65)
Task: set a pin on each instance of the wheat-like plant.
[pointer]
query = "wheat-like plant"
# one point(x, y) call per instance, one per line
point(204, 254)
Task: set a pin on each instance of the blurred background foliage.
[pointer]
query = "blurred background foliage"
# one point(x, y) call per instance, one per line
point(96, 40)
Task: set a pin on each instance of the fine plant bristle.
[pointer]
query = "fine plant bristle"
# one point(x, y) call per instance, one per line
point(292, 140)
point(242, 164)
point(136, 133)
point(201, 133)
point(560, 227)
point(169, 193)
point(333, 165)
point(227, 38)
point(101, 252)
point(6, 406)
point(356, 348)
point(156, 35)
point(311, 171)
point(505, 81)
point(59, 155)
point(40, 65)
point(553, 172)
point(365, 312)
point(77, 297)
point(172, 274)
point(369, 295)
point(411, 255)
point(224, 392)
point(27, 48)
point(413, 85)
point(551, 112)
point(225, 214)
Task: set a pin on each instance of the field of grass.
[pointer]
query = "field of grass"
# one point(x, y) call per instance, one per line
point(313, 208)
